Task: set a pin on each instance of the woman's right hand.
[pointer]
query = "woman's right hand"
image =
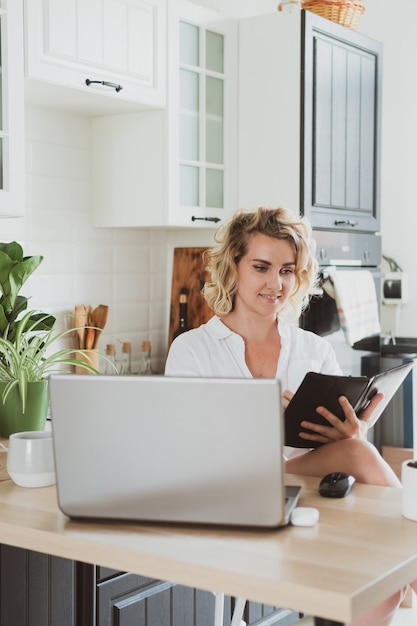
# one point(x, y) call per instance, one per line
point(352, 427)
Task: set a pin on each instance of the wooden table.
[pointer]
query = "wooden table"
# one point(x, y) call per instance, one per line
point(361, 551)
point(3, 460)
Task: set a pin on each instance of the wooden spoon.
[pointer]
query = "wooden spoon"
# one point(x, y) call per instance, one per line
point(80, 322)
point(90, 332)
point(99, 317)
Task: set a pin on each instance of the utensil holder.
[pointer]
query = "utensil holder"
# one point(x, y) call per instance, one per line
point(92, 358)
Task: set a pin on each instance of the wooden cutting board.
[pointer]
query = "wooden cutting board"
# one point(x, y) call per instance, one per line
point(188, 271)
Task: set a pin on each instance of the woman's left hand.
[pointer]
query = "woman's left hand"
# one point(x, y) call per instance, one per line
point(286, 397)
point(352, 427)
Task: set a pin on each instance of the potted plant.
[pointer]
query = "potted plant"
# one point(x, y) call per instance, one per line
point(29, 351)
point(25, 363)
point(15, 269)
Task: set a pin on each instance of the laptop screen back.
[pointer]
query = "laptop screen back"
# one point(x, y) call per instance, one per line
point(169, 449)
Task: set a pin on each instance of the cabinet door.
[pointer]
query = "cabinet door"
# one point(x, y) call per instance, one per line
point(120, 42)
point(175, 167)
point(12, 181)
point(309, 119)
point(341, 121)
point(266, 615)
point(206, 118)
point(36, 589)
point(132, 600)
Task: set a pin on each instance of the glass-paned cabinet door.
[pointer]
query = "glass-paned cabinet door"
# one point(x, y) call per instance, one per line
point(202, 117)
point(11, 109)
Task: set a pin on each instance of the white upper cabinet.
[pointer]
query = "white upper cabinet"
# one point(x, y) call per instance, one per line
point(12, 181)
point(115, 49)
point(176, 167)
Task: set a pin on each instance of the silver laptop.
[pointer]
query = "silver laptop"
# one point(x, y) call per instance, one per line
point(165, 449)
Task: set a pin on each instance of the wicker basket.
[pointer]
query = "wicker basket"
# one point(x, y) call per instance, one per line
point(345, 12)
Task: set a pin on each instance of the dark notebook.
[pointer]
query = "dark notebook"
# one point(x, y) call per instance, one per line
point(325, 389)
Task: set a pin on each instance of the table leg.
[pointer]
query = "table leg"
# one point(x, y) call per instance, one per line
point(240, 604)
point(218, 609)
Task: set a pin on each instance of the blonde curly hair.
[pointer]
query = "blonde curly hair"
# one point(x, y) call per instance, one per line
point(233, 239)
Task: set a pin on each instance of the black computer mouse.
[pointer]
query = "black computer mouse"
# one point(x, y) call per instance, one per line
point(336, 485)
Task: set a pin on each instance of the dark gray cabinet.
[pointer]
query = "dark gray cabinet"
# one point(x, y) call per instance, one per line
point(41, 590)
point(129, 599)
point(123, 598)
point(36, 589)
point(310, 119)
point(341, 126)
point(258, 614)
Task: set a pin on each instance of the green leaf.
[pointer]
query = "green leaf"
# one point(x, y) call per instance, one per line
point(15, 269)
point(23, 387)
point(20, 306)
point(19, 275)
point(6, 265)
point(13, 250)
point(13, 274)
point(3, 320)
point(43, 322)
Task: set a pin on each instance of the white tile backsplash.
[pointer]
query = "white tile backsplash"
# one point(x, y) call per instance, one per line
point(45, 125)
point(57, 258)
point(81, 163)
point(51, 160)
point(124, 268)
point(52, 193)
point(132, 288)
point(96, 258)
point(131, 258)
point(90, 288)
point(53, 291)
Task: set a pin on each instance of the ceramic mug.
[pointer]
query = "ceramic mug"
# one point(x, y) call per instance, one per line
point(409, 494)
point(30, 459)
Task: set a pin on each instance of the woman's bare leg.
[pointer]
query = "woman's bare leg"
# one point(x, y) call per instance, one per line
point(354, 456)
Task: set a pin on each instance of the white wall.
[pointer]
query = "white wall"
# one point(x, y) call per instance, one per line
point(125, 269)
point(247, 8)
point(394, 25)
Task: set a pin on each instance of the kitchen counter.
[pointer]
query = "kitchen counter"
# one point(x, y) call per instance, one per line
point(3, 460)
point(361, 551)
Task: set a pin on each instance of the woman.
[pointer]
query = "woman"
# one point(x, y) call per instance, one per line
point(263, 272)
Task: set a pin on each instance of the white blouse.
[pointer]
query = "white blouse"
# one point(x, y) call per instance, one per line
point(214, 350)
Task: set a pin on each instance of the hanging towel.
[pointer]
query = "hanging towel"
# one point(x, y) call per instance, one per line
point(356, 302)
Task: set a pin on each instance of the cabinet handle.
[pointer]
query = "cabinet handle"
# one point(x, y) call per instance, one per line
point(115, 86)
point(346, 222)
point(206, 219)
